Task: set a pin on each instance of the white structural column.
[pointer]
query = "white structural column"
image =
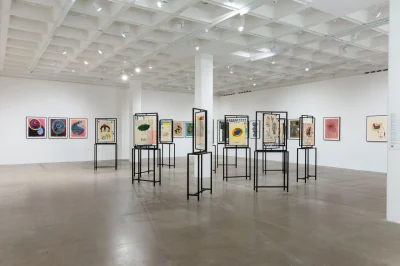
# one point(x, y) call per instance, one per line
point(393, 176)
point(135, 106)
point(204, 96)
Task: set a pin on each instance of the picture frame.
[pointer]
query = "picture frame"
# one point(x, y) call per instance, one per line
point(376, 128)
point(57, 127)
point(332, 128)
point(106, 130)
point(36, 127)
point(78, 128)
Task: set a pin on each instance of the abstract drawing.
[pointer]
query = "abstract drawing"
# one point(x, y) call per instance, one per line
point(237, 134)
point(294, 129)
point(332, 128)
point(106, 130)
point(78, 128)
point(166, 131)
point(377, 127)
point(36, 127)
point(178, 129)
point(58, 128)
point(145, 130)
point(271, 128)
point(255, 129)
point(308, 136)
point(189, 129)
point(200, 131)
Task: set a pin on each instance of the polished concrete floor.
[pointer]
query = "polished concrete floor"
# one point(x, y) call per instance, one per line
point(68, 214)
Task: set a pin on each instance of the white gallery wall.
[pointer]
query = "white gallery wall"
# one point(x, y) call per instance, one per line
point(351, 98)
point(28, 97)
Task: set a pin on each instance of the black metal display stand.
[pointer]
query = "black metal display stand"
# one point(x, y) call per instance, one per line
point(169, 142)
point(231, 145)
point(101, 142)
point(150, 148)
point(225, 175)
point(199, 150)
point(169, 154)
point(306, 164)
point(277, 146)
point(215, 158)
point(116, 156)
point(307, 144)
point(149, 170)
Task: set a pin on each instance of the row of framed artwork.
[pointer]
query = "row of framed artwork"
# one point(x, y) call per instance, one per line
point(183, 129)
point(376, 128)
point(56, 128)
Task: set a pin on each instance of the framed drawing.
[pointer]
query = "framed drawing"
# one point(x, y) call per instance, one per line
point(271, 128)
point(332, 128)
point(78, 128)
point(106, 130)
point(36, 127)
point(282, 133)
point(58, 127)
point(237, 134)
point(145, 130)
point(200, 131)
point(255, 129)
point(294, 129)
point(189, 129)
point(166, 135)
point(178, 129)
point(307, 125)
point(377, 127)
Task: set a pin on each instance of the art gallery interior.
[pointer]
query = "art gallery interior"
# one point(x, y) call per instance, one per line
point(188, 132)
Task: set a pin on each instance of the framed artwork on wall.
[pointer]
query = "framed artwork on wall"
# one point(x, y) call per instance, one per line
point(377, 127)
point(189, 129)
point(36, 127)
point(106, 130)
point(294, 129)
point(78, 128)
point(332, 128)
point(255, 129)
point(178, 129)
point(58, 127)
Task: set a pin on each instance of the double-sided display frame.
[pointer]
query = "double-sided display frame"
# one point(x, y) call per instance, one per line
point(237, 138)
point(168, 143)
point(199, 150)
point(271, 142)
point(109, 125)
point(307, 130)
point(151, 148)
point(222, 136)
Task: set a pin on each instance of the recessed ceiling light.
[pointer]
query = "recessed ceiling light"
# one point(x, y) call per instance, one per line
point(206, 30)
point(86, 63)
point(273, 62)
point(241, 28)
point(100, 51)
point(231, 71)
point(379, 14)
point(159, 4)
point(150, 67)
point(64, 52)
point(97, 6)
point(124, 77)
point(137, 70)
point(197, 48)
point(73, 71)
point(254, 84)
point(307, 69)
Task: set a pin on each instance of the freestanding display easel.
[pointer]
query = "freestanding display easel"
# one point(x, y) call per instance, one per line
point(272, 142)
point(199, 150)
point(307, 143)
point(221, 139)
point(143, 144)
point(240, 133)
point(167, 142)
point(106, 134)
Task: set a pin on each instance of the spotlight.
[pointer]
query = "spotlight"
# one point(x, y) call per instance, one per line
point(197, 48)
point(97, 6)
point(242, 23)
point(137, 70)
point(125, 31)
point(206, 30)
point(73, 71)
point(100, 51)
point(124, 77)
point(273, 62)
point(379, 14)
point(307, 69)
point(241, 28)
point(64, 52)
point(254, 84)
point(124, 34)
point(86, 63)
point(159, 4)
point(231, 71)
point(150, 67)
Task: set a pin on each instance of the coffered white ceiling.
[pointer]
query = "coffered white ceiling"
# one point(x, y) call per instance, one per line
point(283, 42)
